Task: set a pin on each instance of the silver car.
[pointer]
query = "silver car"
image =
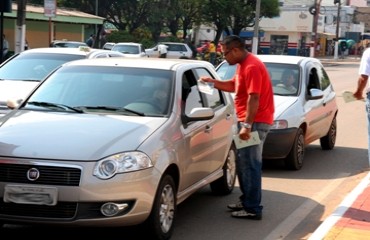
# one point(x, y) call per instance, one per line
point(305, 107)
point(116, 142)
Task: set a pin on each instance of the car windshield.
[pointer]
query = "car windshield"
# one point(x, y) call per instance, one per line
point(35, 66)
point(143, 92)
point(284, 77)
point(128, 49)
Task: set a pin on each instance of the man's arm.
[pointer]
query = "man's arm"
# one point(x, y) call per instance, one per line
point(361, 84)
point(227, 86)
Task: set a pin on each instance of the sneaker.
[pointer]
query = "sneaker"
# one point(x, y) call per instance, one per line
point(248, 215)
point(235, 206)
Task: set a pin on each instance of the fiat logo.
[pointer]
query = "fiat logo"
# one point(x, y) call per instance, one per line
point(33, 174)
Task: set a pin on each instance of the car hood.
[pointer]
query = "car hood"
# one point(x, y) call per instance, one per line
point(282, 103)
point(50, 135)
point(11, 89)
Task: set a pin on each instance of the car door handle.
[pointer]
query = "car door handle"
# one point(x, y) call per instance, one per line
point(208, 129)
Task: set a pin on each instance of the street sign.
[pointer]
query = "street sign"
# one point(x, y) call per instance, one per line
point(50, 8)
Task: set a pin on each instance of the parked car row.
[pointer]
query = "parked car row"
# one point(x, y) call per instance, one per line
point(81, 128)
point(131, 49)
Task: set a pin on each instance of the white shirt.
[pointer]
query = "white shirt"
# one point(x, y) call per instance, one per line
point(365, 63)
point(162, 48)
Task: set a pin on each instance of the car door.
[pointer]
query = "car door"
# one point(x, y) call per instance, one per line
point(315, 109)
point(222, 122)
point(197, 152)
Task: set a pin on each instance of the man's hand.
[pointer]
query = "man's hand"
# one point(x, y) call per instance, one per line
point(245, 133)
point(358, 95)
point(205, 79)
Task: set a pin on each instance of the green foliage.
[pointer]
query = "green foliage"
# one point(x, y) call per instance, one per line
point(139, 36)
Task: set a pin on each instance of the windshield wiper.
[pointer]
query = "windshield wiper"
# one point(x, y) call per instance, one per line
point(57, 105)
point(109, 108)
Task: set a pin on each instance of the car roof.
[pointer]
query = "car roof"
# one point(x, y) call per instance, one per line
point(128, 43)
point(147, 63)
point(171, 43)
point(83, 51)
point(286, 59)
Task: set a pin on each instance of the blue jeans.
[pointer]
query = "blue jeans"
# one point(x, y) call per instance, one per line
point(249, 170)
point(368, 123)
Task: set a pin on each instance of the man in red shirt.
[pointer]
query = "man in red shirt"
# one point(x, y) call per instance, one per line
point(254, 103)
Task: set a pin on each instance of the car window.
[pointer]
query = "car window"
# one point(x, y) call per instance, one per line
point(175, 47)
point(323, 78)
point(130, 49)
point(34, 66)
point(284, 78)
point(226, 71)
point(190, 94)
point(215, 99)
point(148, 91)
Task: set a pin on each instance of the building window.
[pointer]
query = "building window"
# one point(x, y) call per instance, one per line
point(279, 44)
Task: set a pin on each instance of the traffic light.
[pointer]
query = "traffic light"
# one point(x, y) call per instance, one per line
point(336, 1)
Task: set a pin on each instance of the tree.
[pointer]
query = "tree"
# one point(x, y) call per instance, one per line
point(244, 13)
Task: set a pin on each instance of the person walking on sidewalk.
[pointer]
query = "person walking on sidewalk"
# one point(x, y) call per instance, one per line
point(364, 72)
point(254, 105)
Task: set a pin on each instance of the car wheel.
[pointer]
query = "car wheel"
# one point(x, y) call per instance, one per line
point(225, 184)
point(294, 160)
point(161, 220)
point(327, 142)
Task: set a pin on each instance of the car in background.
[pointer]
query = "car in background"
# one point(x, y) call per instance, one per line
point(108, 45)
point(130, 49)
point(67, 44)
point(174, 50)
point(23, 71)
point(116, 142)
point(302, 116)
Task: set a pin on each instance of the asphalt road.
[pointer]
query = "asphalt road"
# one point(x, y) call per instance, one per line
point(295, 202)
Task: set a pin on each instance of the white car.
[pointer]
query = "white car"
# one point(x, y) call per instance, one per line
point(174, 50)
point(130, 49)
point(303, 115)
point(23, 71)
point(116, 142)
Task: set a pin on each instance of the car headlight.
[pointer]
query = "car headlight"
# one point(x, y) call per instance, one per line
point(280, 124)
point(122, 163)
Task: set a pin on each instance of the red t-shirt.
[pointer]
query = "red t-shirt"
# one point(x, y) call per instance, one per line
point(252, 77)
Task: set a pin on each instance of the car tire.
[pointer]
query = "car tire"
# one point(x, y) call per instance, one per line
point(328, 142)
point(225, 184)
point(294, 160)
point(162, 217)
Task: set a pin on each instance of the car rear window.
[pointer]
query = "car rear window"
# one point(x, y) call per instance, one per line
point(34, 67)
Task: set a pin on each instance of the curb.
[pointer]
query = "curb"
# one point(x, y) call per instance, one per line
point(330, 221)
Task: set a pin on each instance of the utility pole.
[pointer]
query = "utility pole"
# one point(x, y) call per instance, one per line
point(256, 28)
point(336, 47)
point(21, 26)
point(315, 11)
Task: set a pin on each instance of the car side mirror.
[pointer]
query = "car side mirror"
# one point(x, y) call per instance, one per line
point(315, 94)
point(197, 114)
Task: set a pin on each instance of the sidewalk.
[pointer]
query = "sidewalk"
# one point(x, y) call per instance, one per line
point(351, 219)
point(329, 60)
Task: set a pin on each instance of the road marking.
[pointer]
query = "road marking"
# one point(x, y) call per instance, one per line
point(329, 222)
point(296, 217)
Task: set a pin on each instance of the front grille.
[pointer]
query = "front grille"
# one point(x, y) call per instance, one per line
point(63, 210)
point(50, 175)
